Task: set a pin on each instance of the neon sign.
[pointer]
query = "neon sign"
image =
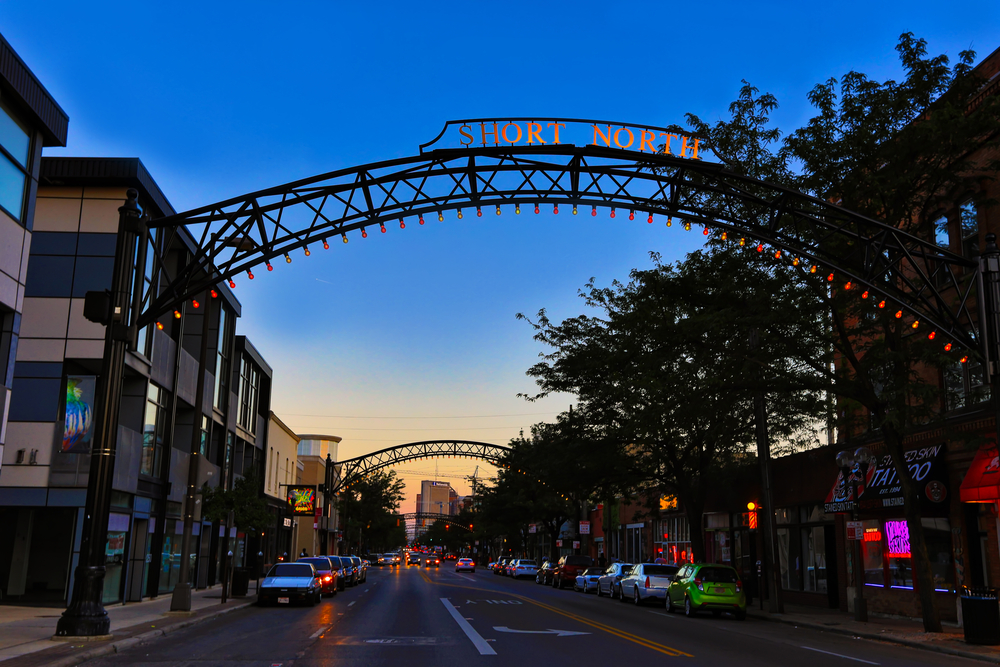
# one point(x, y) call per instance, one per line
point(897, 536)
point(873, 535)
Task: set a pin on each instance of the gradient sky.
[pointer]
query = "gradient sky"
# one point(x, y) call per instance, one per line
point(411, 335)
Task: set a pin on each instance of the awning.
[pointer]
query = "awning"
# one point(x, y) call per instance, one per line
point(982, 482)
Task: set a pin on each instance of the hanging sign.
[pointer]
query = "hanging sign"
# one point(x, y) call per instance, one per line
point(881, 488)
point(855, 530)
point(585, 528)
point(540, 132)
point(302, 499)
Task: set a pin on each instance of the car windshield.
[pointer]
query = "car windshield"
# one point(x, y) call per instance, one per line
point(625, 567)
point(291, 570)
point(718, 575)
point(335, 561)
point(319, 563)
point(593, 571)
point(578, 560)
point(660, 570)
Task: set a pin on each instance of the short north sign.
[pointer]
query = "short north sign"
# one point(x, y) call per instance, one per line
point(482, 132)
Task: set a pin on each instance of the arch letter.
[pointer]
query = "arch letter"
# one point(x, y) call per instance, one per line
point(598, 133)
point(557, 126)
point(462, 130)
point(685, 146)
point(533, 130)
point(503, 132)
point(666, 147)
point(631, 137)
point(495, 133)
point(644, 141)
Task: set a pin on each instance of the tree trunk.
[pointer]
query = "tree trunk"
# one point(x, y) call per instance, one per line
point(694, 511)
point(920, 561)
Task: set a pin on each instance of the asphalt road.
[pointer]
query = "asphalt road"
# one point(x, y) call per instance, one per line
point(417, 617)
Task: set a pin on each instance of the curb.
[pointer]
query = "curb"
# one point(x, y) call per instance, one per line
point(124, 644)
point(876, 637)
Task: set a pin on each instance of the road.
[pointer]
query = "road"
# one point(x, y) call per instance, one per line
point(416, 617)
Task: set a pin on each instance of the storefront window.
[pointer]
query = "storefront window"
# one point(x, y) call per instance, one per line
point(153, 431)
point(937, 533)
point(783, 558)
point(872, 549)
point(114, 556)
point(814, 557)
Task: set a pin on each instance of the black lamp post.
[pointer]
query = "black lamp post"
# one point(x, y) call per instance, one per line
point(85, 616)
point(854, 468)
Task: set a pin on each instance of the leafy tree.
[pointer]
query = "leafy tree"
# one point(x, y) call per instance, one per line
point(895, 151)
point(244, 500)
point(367, 510)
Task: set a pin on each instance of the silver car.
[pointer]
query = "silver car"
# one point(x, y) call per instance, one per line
point(286, 583)
point(608, 582)
point(647, 581)
point(587, 580)
point(523, 567)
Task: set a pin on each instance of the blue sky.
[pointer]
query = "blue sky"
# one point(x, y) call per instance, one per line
point(411, 335)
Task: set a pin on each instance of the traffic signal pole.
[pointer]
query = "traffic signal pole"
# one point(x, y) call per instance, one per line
point(86, 616)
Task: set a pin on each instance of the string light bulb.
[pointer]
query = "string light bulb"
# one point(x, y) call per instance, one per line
point(574, 209)
point(650, 219)
point(670, 221)
point(195, 303)
point(899, 314)
point(612, 211)
point(215, 295)
point(687, 226)
point(249, 274)
point(947, 348)
point(326, 246)
point(479, 212)
point(829, 278)
point(932, 335)
point(724, 236)
point(916, 323)
point(382, 227)
point(232, 285)
point(704, 232)
point(847, 286)
point(812, 269)
point(307, 251)
point(440, 216)
point(881, 304)
point(159, 325)
point(864, 295)
point(777, 254)
point(177, 314)
point(536, 209)
point(517, 209)
point(498, 209)
point(402, 225)
point(631, 215)
point(364, 233)
point(288, 259)
point(760, 247)
point(963, 359)
point(593, 210)
point(555, 209)
point(345, 237)
point(460, 216)
point(743, 241)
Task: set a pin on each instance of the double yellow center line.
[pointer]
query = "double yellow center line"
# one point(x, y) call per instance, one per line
point(628, 636)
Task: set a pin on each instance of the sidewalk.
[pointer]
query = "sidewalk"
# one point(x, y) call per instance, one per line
point(26, 632)
point(899, 631)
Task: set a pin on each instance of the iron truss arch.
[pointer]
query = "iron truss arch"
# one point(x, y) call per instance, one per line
point(240, 235)
point(354, 469)
point(432, 517)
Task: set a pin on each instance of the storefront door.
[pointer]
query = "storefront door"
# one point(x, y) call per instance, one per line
point(137, 560)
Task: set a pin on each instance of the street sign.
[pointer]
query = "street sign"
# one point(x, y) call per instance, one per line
point(558, 543)
point(576, 544)
point(855, 530)
point(585, 528)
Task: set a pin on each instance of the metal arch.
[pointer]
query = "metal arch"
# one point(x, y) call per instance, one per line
point(434, 516)
point(238, 235)
point(354, 469)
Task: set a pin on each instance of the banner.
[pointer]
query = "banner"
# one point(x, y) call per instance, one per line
point(78, 425)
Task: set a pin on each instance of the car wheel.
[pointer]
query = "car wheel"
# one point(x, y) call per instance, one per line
point(635, 596)
point(670, 604)
point(553, 582)
point(621, 594)
point(688, 608)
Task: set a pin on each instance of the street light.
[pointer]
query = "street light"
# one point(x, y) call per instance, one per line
point(854, 470)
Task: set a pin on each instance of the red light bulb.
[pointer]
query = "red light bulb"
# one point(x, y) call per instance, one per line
point(421, 220)
point(250, 274)
point(612, 211)
point(829, 278)
point(631, 215)
point(650, 221)
point(159, 325)
point(177, 314)
point(536, 208)
point(326, 246)
point(268, 265)
point(847, 285)
point(947, 348)
point(232, 285)
point(479, 212)
point(760, 247)
point(881, 304)
point(383, 227)
point(555, 209)
point(194, 302)
point(931, 335)
point(864, 295)
point(402, 225)
point(364, 234)
point(593, 211)
point(215, 295)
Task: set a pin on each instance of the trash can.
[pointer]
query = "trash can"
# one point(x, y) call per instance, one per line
point(241, 581)
point(981, 615)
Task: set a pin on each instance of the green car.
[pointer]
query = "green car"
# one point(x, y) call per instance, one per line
point(710, 587)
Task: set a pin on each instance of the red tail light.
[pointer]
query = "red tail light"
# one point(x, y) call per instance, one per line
point(739, 586)
point(647, 582)
point(327, 578)
point(697, 582)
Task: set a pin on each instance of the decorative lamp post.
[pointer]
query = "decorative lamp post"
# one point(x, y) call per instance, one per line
point(854, 468)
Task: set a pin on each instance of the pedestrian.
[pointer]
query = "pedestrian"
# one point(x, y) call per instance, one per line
point(303, 554)
point(602, 561)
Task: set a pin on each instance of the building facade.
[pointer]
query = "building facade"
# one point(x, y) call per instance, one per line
point(30, 120)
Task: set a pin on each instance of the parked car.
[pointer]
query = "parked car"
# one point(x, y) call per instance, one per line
point(646, 582)
point(343, 568)
point(360, 568)
point(586, 581)
point(465, 564)
point(508, 568)
point(608, 582)
point(568, 567)
point(432, 561)
point(501, 564)
point(707, 587)
point(326, 573)
point(545, 572)
point(492, 565)
point(290, 582)
point(523, 567)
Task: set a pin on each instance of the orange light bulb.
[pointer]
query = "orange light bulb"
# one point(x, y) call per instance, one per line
point(899, 314)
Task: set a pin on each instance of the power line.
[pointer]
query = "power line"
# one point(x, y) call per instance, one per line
point(520, 414)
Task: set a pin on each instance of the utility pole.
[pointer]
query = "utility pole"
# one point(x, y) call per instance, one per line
point(86, 616)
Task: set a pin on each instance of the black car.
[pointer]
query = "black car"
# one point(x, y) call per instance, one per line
point(344, 570)
point(325, 571)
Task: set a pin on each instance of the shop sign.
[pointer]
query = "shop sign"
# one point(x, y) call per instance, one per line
point(538, 132)
point(855, 530)
point(576, 544)
point(558, 543)
point(302, 499)
point(881, 488)
point(287, 522)
point(585, 528)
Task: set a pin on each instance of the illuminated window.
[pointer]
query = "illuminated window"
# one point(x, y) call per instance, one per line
point(15, 155)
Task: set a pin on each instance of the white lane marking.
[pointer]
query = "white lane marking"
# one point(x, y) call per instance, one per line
point(464, 576)
point(660, 613)
point(367, 589)
point(351, 604)
point(470, 632)
point(557, 633)
point(317, 633)
point(840, 655)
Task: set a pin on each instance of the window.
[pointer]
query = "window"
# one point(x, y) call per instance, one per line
point(887, 557)
point(143, 337)
point(222, 354)
point(153, 431)
point(965, 385)
point(969, 219)
point(15, 155)
point(249, 386)
point(940, 229)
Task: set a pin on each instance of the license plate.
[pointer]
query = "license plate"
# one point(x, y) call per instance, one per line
point(282, 600)
point(719, 591)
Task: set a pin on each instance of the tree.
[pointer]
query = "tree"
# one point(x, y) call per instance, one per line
point(367, 510)
point(894, 151)
point(244, 500)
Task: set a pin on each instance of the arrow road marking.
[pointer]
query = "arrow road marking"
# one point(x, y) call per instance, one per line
point(557, 633)
point(470, 632)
